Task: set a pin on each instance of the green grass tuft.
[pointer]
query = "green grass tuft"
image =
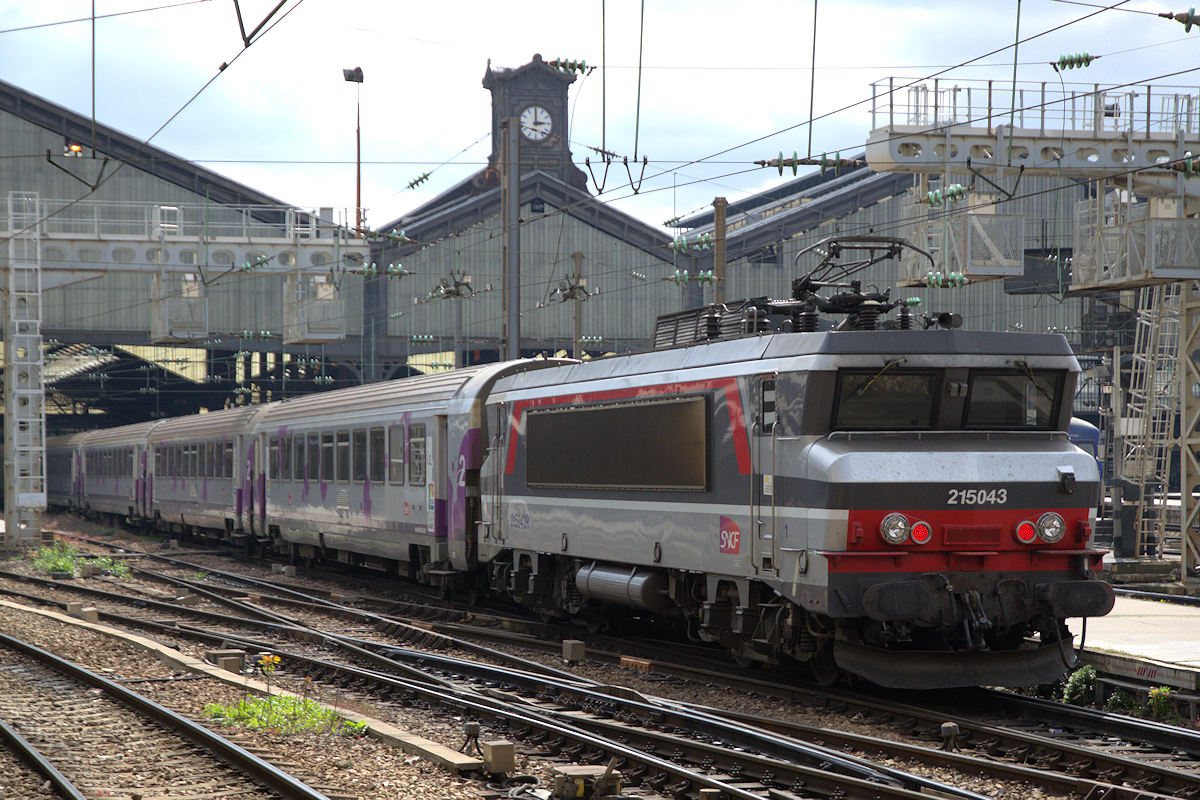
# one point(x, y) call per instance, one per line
point(58, 557)
point(282, 714)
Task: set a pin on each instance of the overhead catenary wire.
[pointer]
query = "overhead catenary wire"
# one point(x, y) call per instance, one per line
point(93, 17)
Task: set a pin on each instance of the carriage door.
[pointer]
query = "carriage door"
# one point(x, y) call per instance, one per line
point(438, 490)
point(141, 455)
point(491, 482)
point(762, 490)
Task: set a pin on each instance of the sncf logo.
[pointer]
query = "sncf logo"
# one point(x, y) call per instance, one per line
point(731, 536)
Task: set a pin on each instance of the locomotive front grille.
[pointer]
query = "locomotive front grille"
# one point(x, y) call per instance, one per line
point(973, 534)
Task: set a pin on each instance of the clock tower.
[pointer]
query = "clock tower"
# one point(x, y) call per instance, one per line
point(535, 97)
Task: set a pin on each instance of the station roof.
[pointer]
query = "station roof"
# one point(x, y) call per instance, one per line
point(478, 198)
point(123, 147)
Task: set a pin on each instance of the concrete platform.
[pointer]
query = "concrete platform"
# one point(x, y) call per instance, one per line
point(1147, 640)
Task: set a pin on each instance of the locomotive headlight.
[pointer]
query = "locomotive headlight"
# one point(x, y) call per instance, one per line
point(1026, 532)
point(1051, 527)
point(894, 528)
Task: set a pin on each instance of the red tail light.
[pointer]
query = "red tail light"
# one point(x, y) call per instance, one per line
point(921, 532)
point(1026, 532)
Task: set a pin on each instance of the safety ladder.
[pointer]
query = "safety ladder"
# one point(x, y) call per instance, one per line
point(1153, 399)
point(24, 388)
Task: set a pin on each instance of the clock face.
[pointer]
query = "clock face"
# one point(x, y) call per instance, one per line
point(536, 123)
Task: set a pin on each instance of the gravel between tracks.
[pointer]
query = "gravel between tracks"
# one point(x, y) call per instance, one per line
point(340, 765)
point(436, 727)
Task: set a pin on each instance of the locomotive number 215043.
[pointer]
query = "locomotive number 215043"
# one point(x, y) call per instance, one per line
point(976, 497)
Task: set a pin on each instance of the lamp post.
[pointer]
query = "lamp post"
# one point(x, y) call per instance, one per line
point(356, 76)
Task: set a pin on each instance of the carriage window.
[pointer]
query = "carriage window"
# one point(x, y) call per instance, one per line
point(298, 468)
point(416, 454)
point(210, 471)
point(1026, 399)
point(378, 459)
point(396, 464)
point(360, 456)
point(229, 460)
point(285, 458)
point(343, 456)
point(668, 447)
point(883, 399)
point(327, 457)
point(314, 457)
point(273, 449)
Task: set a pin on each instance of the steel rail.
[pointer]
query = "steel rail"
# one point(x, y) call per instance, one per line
point(1159, 734)
point(241, 759)
point(853, 774)
point(1056, 781)
point(34, 758)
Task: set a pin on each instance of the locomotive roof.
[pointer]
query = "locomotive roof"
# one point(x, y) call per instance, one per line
point(789, 345)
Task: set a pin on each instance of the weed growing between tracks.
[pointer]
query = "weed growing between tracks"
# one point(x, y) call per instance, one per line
point(61, 557)
point(284, 714)
point(1079, 689)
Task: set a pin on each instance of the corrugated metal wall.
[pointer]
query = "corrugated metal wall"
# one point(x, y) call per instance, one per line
point(624, 310)
point(122, 301)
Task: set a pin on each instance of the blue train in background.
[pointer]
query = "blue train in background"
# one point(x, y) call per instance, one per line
point(1086, 437)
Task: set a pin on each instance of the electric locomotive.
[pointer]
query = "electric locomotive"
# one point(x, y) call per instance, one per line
point(896, 499)
point(899, 502)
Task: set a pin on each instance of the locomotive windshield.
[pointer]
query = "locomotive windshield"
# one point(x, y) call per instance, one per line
point(995, 399)
point(879, 399)
point(1013, 399)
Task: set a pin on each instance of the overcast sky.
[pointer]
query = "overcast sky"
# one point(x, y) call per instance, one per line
point(716, 78)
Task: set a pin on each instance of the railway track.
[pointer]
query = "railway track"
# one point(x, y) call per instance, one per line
point(101, 739)
point(1068, 758)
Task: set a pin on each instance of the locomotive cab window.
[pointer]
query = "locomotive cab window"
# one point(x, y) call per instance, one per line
point(1014, 399)
point(880, 399)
